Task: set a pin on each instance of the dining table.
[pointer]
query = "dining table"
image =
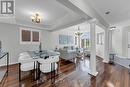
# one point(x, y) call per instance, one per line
point(44, 54)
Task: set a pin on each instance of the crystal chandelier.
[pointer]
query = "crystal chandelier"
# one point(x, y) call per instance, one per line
point(36, 18)
point(78, 33)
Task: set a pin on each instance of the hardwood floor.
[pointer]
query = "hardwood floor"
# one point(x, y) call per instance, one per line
point(72, 75)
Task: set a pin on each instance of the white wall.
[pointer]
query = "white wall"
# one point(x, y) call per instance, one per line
point(99, 47)
point(84, 27)
point(125, 31)
point(120, 41)
point(10, 37)
point(120, 45)
point(117, 41)
point(55, 38)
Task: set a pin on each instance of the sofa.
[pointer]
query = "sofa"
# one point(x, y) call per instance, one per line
point(68, 52)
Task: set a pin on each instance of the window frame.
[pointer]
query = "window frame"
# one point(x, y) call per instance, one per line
point(31, 30)
point(32, 35)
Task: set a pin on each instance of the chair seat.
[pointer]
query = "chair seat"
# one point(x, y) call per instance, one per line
point(46, 68)
point(27, 66)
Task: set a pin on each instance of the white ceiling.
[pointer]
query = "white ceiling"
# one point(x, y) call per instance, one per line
point(84, 27)
point(54, 15)
point(119, 10)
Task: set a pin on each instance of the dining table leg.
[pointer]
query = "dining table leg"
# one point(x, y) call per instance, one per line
point(38, 71)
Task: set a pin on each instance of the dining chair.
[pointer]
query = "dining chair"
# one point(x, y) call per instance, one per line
point(50, 65)
point(26, 63)
point(24, 54)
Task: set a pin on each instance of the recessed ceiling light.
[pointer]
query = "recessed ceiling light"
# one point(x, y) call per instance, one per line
point(108, 12)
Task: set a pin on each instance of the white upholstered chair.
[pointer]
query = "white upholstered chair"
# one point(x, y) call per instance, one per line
point(26, 63)
point(24, 54)
point(49, 65)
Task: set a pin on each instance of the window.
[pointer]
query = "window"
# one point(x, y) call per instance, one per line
point(85, 43)
point(28, 36)
point(85, 40)
point(35, 36)
point(100, 38)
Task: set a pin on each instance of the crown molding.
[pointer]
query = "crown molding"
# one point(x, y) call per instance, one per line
point(82, 20)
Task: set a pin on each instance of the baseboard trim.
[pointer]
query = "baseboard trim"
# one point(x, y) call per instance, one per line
point(9, 64)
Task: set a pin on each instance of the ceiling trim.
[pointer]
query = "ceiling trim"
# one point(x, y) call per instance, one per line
point(82, 20)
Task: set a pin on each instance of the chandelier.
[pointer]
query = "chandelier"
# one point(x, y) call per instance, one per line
point(36, 18)
point(78, 33)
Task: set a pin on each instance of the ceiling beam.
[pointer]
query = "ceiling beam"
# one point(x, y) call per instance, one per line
point(74, 8)
point(85, 10)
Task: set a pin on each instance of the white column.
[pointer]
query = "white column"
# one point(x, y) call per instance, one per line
point(106, 46)
point(93, 70)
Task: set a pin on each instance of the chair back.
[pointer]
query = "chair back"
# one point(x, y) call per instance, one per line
point(25, 59)
point(24, 54)
point(51, 59)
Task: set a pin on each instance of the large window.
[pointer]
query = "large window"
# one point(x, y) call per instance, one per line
point(85, 40)
point(29, 36)
point(85, 43)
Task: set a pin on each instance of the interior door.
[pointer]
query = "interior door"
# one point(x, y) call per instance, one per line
point(128, 44)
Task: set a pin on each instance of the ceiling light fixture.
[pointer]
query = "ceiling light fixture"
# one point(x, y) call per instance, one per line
point(78, 33)
point(36, 18)
point(112, 28)
point(108, 12)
